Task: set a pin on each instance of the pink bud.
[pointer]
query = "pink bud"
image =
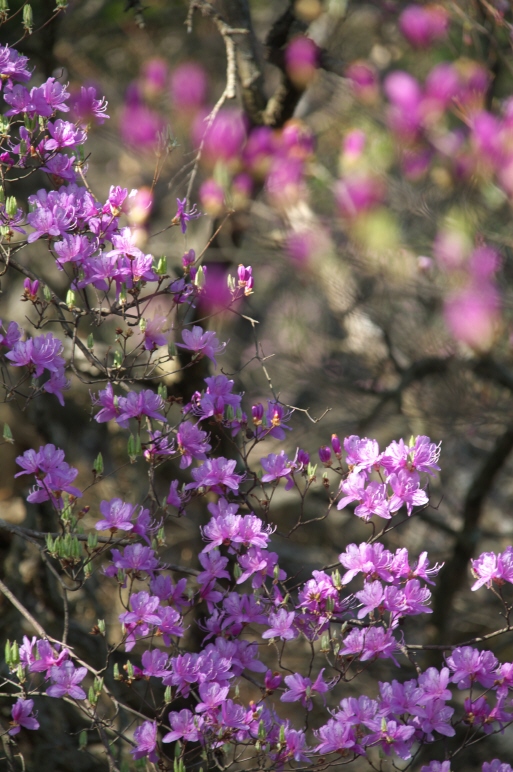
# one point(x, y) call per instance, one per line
point(154, 76)
point(364, 81)
point(422, 25)
point(211, 196)
point(188, 86)
point(301, 61)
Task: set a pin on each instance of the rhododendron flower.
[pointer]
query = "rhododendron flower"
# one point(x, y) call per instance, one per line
point(185, 726)
point(65, 681)
point(182, 216)
point(277, 466)
point(216, 473)
point(491, 568)
point(281, 625)
point(21, 716)
point(301, 689)
point(145, 737)
point(204, 343)
point(117, 515)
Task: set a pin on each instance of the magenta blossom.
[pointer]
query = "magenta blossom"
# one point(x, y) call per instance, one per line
point(145, 737)
point(202, 343)
point(65, 681)
point(21, 716)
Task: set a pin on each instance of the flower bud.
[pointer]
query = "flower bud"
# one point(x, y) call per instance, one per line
point(325, 455)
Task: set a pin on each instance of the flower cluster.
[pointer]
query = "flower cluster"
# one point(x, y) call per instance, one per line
point(399, 465)
point(53, 475)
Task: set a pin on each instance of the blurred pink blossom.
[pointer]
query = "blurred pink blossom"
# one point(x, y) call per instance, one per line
point(188, 86)
point(422, 25)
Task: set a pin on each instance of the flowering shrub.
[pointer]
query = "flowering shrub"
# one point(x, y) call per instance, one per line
point(226, 704)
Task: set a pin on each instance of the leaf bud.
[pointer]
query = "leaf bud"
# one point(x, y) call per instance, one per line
point(28, 19)
point(82, 740)
point(160, 265)
point(11, 206)
point(7, 434)
point(199, 279)
point(325, 643)
point(98, 464)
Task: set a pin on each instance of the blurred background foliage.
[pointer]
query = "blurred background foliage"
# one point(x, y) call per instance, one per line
point(348, 305)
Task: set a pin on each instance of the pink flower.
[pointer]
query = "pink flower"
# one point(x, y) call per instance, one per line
point(422, 25)
point(281, 625)
point(66, 679)
point(146, 738)
point(202, 343)
point(20, 713)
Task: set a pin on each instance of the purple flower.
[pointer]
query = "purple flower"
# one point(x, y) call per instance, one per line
point(439, 766)
point(336, 737)
point(393, 736)
point(146, 738)
point(469, 665)
point(20, 713)
point(202, 343)
point(276, 466)
point(48, 98)
point(56, 384)
point(281, 625)
point(47, 459)
point(154, 663)
point(362, 454)
point(40, 353)
point(435, 716)
point(13, 66)
point(12, 335)
point(117, 515)
point(154, 330)
point(216, 473)
point(65, 681)
point(135, 558)
point(185, 726)
point(259, 564)
point(145, 403)
point(372, 499)
point(490, 568)
point(47, 658)
point(373, 560)
point(109, 403)
point(212, 695)
point(170, 624)
point(406, 491)
point(241, 610)
point(301, 688)
point(192, 443)
point(184, 217)
point(370, 643)
point(371, 597)
point(86, 106)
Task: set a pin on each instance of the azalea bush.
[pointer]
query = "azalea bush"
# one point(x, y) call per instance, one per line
point(236, 663)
